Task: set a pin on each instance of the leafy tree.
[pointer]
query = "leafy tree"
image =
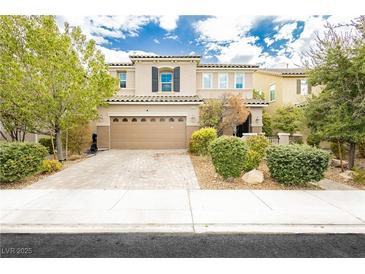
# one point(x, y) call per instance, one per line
point(64, 75)
point(337, 62)
point(210, 113)
point(235, 112)
point(287, 119)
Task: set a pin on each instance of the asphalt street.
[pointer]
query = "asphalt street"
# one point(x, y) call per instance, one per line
point(164, 245)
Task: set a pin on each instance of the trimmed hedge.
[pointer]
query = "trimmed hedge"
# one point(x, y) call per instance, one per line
point(257, 146)
point(228, 156)
point(19, 160)
point(49, 166)
point(296, 164)
point(201, 139)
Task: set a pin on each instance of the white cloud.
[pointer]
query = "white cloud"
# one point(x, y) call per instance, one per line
point(269, 41)
point(168, 22)
point(224, 28)
point(101, 27)
point(171, 36)
point(120, 56)
point(228, 38)
point(286, 32)
point(156, 41)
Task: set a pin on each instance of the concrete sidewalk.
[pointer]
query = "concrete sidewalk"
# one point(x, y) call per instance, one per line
point(182, 211)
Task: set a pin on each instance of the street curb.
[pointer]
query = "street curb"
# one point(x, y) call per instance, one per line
point(185, 228)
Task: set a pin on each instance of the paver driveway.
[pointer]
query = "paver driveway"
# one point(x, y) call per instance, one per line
point(127, 169)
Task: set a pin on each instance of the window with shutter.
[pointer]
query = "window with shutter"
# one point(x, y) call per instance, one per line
point(177, 79)
point(154, 79)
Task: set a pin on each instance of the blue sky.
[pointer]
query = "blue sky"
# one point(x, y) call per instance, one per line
point(270, 41)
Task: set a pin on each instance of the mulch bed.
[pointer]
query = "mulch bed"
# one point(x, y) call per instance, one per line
point(209, 179)
point(23, 183)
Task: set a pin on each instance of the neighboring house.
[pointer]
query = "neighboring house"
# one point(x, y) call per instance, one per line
point(283, 86)
point(157, 105)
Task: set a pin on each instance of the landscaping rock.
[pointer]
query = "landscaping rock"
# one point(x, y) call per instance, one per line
point(347, 175)
point(253, 177)
point(337, 163)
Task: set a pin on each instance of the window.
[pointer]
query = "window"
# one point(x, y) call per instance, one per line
point(171, 120)
point(272, 90)
point(207, 80)
point(239, 80)
point(143, 120)
point(153, 120)
point(162, 119)
point(223, 80)
point(125, 120)
point(122, 79)
point(303, 87)
point(166, 81)
point(181, 119)
point(134, 120)
point(115, 120)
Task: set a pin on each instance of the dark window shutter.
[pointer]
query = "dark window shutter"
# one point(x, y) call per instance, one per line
point(309, 88)
point(298, 86)
point(177, 79)
point(154, 79)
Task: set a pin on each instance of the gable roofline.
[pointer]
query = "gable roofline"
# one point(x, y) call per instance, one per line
point(227, 66)
point(285, 72)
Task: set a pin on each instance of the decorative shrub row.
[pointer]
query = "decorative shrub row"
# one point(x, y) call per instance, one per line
point(228, 156)
point(19, 160)
point(295, 164)
point(201, 139)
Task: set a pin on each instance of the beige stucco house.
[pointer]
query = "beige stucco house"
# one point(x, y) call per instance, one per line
point(157, 105)
point(286, 86)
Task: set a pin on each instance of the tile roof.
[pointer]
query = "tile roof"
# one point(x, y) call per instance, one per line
point(286, 71)
point(163, 56)
point(155, 99)
point(120, 64)
point(256, 102)
point(227, 66)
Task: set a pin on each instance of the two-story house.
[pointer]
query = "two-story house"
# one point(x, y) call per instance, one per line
point(285, 86)
point(157, 105)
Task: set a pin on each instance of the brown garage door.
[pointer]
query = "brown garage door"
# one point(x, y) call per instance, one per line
point(147, 132)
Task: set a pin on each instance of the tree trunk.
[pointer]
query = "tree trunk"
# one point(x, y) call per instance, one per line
point(339, 145)
point(352, 155)
point(59, 144)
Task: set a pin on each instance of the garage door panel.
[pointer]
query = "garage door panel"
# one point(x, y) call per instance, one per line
point(148, 132)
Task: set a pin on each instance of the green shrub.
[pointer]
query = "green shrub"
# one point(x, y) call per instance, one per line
point(49, 166)
point(200, 140)
point(295, 164)
point(335, 150)
point(313, 140)
point(19, 160)
point(359, 175)
point(256, 146)
point(228, 156)
point(47, 143)
point(252, 160)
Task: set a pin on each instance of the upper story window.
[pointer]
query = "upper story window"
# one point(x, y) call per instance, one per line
point(122, 79)
point(303, 87)
point(166, 81)
point(239, 80)
point(207, 80)
point(223, 80)
point(272, 92)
